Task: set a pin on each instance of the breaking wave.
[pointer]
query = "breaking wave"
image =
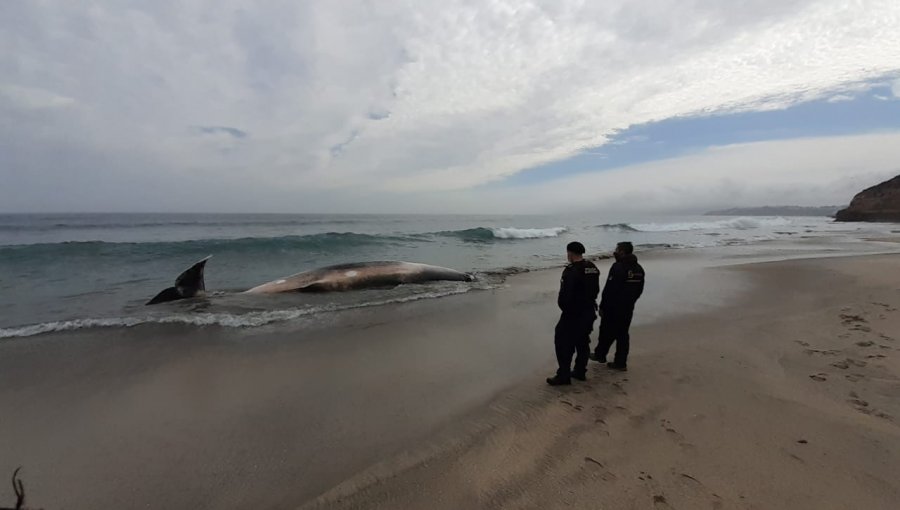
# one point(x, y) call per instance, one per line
point(617, 227)
point(484, 234)
point(730, 224)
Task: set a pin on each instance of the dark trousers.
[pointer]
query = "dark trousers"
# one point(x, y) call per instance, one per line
point(573, 335)
point(614, 329)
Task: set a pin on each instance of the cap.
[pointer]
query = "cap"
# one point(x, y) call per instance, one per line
point(626, 246)
point(576, 248)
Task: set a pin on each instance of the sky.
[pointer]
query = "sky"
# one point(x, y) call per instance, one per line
point(446, 106)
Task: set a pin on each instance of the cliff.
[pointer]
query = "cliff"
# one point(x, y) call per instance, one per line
point(878, 203)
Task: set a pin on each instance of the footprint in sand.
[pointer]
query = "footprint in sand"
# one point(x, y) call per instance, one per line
point(847, 363)
point(876, 356)
point(854, 377)
point(601, 423)
point(605, 474)
point(864, 407)
point(886, 306)
point(819, 377)
point(667, 425)
point(676, 436)
point(865, 343)
point(619, 389)
point(858, 402)
point(659, 501)
point(829, 352)
point(690, 486)
point(875, 412)
point(846, 318)
point(797, 458)
point(801, 342)
point(577, 407)
point(691, 478)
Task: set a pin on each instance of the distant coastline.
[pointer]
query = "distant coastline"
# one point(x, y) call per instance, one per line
point(779, 210)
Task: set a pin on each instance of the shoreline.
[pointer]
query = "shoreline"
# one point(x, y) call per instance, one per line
point(283, 415)
point(275, 311)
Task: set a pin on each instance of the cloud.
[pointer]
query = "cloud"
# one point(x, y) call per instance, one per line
point(895, 88)
point(840, 98)
point(354, 98)
point(32, 98)
point(233, 132)
point(629, 139)
point(806, 171)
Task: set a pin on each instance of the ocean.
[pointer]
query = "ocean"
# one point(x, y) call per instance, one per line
point(63, 272)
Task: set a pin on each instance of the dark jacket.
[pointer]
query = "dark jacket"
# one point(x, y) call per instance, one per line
point(623, 287)
point(578, 288)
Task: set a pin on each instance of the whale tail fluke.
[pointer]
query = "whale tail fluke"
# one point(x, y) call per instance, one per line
point(189, 284)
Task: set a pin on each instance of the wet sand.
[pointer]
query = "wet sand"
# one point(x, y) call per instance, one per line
point(441, 403)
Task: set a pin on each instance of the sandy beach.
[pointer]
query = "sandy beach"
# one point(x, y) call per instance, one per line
point(768, 385)
point(785, 399)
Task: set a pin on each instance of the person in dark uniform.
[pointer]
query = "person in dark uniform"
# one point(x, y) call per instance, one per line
point(624, 286)
point(577, 300)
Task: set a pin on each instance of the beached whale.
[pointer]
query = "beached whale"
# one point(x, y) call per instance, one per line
point(360, 275)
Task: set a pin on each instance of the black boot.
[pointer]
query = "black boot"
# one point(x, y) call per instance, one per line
point(617, 366)
point(556, 380)
point(596, 357)
point(581, 376)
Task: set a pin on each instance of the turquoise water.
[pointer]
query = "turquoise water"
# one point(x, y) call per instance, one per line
point(70, 271)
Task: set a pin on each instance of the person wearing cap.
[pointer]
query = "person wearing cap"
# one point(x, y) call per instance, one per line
point(623, 288)
point(577, 300)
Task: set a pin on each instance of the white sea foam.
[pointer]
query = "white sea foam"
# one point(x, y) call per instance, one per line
point(527, 233)
point(248, 319)
point(740, 223)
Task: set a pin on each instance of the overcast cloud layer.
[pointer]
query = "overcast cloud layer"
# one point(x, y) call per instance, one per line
point(323, 105)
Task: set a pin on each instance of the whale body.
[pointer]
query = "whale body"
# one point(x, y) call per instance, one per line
point(341, 277)
point(360, 275)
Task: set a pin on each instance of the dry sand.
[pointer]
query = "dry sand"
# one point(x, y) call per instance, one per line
point(789, 398)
